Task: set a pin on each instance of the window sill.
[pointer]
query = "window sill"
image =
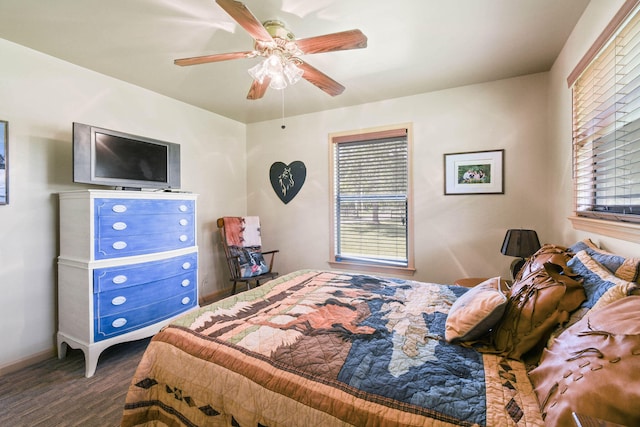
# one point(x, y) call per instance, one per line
point(353, 266)
point(620, 230)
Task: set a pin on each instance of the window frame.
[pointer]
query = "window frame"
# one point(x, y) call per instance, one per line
point(608, 226)
point(364, 135)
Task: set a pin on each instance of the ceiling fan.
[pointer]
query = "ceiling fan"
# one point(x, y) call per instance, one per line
point(281, 50)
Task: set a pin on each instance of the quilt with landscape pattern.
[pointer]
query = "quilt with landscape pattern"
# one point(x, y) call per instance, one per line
point(319, 348)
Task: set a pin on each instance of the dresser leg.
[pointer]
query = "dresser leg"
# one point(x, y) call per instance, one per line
point(91, 351)
point(91, 361)
point(62, 347)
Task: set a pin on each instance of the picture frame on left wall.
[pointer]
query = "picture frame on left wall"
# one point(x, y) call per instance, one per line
point(4, 162)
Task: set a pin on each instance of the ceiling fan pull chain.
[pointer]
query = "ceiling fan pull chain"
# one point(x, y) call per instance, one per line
point(282, 126)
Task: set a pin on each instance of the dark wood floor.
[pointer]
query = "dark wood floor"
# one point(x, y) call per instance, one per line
point(56, 393)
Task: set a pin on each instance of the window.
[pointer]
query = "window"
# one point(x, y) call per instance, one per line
point(606, 125)
point(371, 199)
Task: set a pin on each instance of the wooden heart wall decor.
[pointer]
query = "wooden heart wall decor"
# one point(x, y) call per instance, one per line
point(287, 180)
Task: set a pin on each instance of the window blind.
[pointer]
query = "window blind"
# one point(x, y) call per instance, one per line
point(606, 129)
point(371, 181)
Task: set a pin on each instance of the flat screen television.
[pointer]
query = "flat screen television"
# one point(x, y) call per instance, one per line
point(118, 159)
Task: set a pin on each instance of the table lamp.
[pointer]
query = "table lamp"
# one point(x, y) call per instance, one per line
point(521, 244)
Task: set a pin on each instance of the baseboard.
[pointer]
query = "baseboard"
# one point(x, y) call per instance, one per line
point(47, 354)
point(215, 296)
point(27, 361)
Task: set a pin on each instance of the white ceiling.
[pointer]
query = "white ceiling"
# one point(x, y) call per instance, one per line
point(414, 46)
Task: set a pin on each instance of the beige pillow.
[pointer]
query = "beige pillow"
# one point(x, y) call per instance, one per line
point(474, 314)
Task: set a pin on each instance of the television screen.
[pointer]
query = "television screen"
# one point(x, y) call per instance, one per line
point(123, 158)
point(118, 159)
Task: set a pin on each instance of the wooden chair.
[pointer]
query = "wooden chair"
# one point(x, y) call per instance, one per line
point(241, 240)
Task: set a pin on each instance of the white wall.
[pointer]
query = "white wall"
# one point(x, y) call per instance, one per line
point(40, 97)
point(591, 24)
point(455, 236)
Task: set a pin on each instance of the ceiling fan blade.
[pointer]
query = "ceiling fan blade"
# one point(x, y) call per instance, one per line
point(245, 18)
point(321, 80)
point(351, 39)
point(213, 58)
point(258, 89)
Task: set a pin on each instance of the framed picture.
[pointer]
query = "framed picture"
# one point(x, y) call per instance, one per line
point(475, 172)
point(4, 162)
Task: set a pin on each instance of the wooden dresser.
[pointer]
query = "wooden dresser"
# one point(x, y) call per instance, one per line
point(128, 265)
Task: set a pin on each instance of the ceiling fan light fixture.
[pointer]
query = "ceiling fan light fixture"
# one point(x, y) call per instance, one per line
point(273, 65)
point(258, 72)
point(280, 69)
point(293, 73)
point(278, 82)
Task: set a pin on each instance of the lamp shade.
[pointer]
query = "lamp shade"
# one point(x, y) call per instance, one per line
point(520, 243)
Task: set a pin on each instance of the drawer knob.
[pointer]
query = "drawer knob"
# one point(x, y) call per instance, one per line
point(185, 283)
point(119, 300)
point(119, 208)
point(119, 245)
point(183, 208)
point(183, 222)
point(119, 322)
point(119, 279)
point(119, 226)
point(183, 238)
point(186, 300)
point(186, 265)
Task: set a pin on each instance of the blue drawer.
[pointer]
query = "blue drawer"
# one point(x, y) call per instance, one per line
point(136, 225)
point(106, 206)
point(121, 323)
point(121, 300)
point(128, 227)
point(116, 247)
point(116, 278)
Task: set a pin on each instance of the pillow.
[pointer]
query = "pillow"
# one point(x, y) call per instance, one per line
point(600, 285)
point(596, 279)
point(593, 368)
point(623, 267)
point(252, 264)
point(250, 261)
point(475, 312)
point(583, 245)
point(555, 254)
point(537, 304)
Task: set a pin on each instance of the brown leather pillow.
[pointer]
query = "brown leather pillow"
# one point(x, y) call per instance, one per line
point(593, 368)
point(537, 304)
point(556, 254)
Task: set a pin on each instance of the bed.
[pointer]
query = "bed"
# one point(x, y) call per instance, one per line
point(326, 348)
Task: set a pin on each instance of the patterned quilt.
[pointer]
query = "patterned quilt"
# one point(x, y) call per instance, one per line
point(317, 348)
